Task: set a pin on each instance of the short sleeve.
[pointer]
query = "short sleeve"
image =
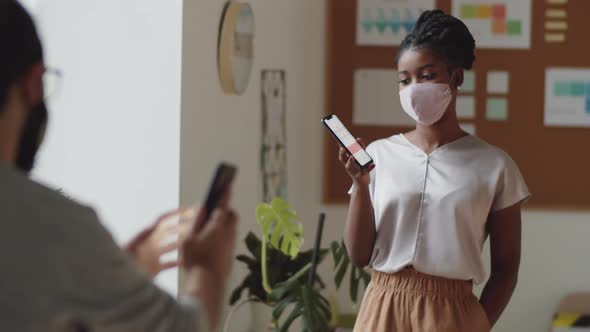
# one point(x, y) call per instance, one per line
point(511, 187)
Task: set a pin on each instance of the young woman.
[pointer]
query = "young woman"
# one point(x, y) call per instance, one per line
point(420, 215)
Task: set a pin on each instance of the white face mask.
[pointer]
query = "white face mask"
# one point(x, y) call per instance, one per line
point(426, 102)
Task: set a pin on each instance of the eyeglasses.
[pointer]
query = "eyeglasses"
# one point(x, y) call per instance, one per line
point(51, 83)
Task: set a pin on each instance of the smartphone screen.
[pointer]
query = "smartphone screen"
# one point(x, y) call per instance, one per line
point(346, 139)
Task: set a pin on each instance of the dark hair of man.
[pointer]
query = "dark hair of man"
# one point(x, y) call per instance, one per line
point(20, 46)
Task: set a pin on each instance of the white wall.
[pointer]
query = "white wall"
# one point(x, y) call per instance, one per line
point(114, 133)
point(217, 127)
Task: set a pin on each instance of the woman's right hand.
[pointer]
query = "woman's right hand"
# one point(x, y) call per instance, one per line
point(358, 175)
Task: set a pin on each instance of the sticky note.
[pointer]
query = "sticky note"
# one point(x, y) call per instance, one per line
point(466, 107)
point(557, 2)
point(483, 11)
point(468, 11)
point(497, 82)
point(367, 25)
point(468, 128)
point(468, 82)
point(588, 105)
point(499, 12)
point(555, 13)
point(561, 89)
point(514, 27)
point(499, 27)
point(556, 25)
point(577, 89)
point(497, 109)
point(381, 22)
point(554, 37)
point(395, 26)
point(395, 21)
point(409, 25)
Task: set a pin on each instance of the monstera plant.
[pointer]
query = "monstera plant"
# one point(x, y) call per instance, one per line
point(278, 271)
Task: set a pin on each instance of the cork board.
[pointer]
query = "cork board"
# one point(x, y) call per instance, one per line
point(555, 161)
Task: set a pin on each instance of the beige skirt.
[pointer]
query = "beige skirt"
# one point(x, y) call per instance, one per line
point(409, 301)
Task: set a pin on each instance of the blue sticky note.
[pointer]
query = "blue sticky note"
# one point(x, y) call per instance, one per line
point(561, 89)
point(468, 81)
point(497, 109)
point(409, 25)
point(588, 104)
point(577, 89)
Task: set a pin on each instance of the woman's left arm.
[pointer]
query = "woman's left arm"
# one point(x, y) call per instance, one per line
point(504, 227)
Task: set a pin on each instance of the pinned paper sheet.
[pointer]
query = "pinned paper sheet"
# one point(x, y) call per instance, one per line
point(387, 22)
point(556, 25)
point(376, 100)
point(468, 82)
point(496, 23)
point(554, 37)
point(466, 107)
point(498, 82)
point(497, 109)
point(567, 97)
point(555, 13)
point(468, 127)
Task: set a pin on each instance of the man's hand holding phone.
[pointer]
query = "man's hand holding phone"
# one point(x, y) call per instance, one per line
point(212, 241)
point(207, 252)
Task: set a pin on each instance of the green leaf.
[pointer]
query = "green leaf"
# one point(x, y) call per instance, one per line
point(316, 310)
point(341, 263)
point(281, 226)
point(280, 308)
point(297, 312)
point(247, 260)
point(281, 289)
point(253, 244)
point(336, 253)
point(237, 293)
point(341, 273)
point(354, 285)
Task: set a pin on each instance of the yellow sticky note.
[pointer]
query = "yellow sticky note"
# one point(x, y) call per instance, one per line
point(483, 11)
point(557, 2)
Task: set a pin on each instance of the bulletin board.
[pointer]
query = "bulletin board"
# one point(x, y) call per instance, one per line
point(554, 157)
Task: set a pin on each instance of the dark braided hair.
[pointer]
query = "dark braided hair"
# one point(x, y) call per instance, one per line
point(444, 35)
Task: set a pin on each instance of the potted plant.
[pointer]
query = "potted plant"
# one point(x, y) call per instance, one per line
point(284, 278)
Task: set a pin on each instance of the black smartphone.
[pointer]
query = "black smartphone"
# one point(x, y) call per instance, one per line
point(219, 190)
point(346, 140)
